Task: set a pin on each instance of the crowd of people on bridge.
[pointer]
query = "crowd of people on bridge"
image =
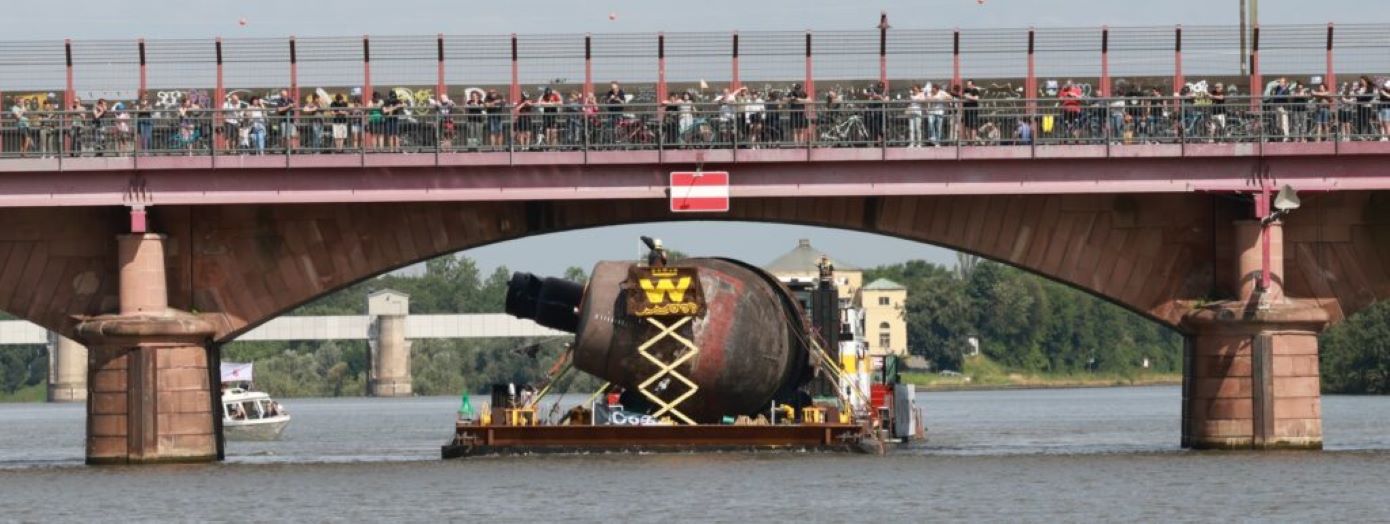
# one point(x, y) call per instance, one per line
point(929, 114)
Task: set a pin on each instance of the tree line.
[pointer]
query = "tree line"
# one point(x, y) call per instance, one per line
point(1021, 321)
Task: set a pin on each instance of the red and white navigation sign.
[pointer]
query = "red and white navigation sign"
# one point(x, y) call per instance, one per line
point(699, 191)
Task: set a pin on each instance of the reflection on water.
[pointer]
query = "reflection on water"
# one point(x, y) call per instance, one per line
point(1033, 455)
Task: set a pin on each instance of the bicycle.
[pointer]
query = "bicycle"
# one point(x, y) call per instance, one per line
point(633, 130)
point(848, 131)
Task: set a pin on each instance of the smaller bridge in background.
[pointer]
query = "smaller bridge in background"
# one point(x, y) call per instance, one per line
point(388, 328)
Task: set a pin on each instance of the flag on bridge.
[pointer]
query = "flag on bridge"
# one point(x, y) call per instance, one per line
point(699, 191)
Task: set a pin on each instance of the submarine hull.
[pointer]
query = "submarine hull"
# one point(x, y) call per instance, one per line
point(749, 333)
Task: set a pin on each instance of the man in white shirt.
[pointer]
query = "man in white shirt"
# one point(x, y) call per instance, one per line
point(230, 121)
point(936, 113)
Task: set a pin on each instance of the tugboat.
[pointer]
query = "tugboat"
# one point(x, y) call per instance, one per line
point(248, 414)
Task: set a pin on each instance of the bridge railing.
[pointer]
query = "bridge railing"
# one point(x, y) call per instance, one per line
point(696, 125)
point(650, 66)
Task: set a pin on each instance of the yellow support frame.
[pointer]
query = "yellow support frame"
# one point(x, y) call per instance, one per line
point(669, 369)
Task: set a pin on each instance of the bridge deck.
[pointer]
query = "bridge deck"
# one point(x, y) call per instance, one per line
point(582, 175)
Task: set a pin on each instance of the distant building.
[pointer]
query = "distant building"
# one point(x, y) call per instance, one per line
point(879, 304)
point(884, 327)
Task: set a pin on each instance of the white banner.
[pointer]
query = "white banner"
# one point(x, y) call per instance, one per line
point(236, 372)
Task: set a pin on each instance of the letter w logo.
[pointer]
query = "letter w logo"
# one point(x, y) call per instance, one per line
point(663, 288)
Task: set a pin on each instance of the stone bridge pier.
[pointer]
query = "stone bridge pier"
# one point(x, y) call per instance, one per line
point(67, 369)
point(390, 351)
point(1251, 364)
point(150, 394)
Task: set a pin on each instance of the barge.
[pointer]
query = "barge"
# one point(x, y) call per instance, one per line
point(707, 354)
point(475, 439)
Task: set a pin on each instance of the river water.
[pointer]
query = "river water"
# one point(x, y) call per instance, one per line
point(1021, 455)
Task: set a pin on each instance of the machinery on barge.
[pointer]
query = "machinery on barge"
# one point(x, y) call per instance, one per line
point(699, 354)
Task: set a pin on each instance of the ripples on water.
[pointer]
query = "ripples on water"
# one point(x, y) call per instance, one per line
point(1043, 455)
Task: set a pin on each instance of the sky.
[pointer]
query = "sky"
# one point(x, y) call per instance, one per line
point(756, 243)
point(266, 18)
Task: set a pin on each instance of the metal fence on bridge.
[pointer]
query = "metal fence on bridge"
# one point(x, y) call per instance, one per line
point(50, 90)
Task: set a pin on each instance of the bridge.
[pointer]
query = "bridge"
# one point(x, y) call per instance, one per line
point(156, 236)
point(387, 327)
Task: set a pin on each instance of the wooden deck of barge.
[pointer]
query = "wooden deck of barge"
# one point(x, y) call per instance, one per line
point(473, 439)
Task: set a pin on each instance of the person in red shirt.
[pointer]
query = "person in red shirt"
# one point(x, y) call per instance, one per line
point(549, 107)
point(1070, 97)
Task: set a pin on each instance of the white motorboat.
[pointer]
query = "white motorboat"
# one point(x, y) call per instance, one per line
point(247, 414)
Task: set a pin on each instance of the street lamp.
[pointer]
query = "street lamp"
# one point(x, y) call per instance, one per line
point(1284, 203)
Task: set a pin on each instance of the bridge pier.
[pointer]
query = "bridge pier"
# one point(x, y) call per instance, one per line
point(1252, 379)
point(67, 369)
point(390, 351)
point(150, 394)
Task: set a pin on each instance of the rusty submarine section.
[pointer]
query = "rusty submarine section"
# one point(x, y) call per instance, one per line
point(753, 343)
point(698, 354)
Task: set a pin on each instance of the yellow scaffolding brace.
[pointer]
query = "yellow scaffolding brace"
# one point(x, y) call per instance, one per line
point(665, 369)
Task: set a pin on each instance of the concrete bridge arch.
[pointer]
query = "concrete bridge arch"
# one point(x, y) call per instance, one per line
point(1168, 256)
point(237, 266)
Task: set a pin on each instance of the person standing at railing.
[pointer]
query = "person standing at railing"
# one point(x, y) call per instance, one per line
point(591, 116)
point(613, 102)
point(495, 107)
point(124, 133)
point(1365, 108)
point(283, 128)
point(144, 127)
point(391, 114)
point(255, 114)
point(874, 106)
point(524, 110)
point(1218, 110)
point(446, 120)
point(231, 109)
point(574, 120)
point(375, 124)
point(1023, 133)
point(76, 124)
point(311, 115)
point(970, 108)
point(186, 124)
point(1383, 106)
point(754, 110)
point(1195, 108)
point(1162, 116)
point(100, 119)
point(796, 114)
point(936, 114)
point(740, 125)
point(549, 107)
point(1300, 101)
point(1070, 99)
point(339, 110)
point(47, 122)
point(1116, 113)
point(916, 98)
point(1346, 110)
point(1277, 97)
point(20, 112)
point(474, 120)
point(1323, 99)
point(773, 120)
point(728, 119)
point(671, 119)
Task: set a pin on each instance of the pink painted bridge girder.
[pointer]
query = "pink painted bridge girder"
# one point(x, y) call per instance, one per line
point(643, 174)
